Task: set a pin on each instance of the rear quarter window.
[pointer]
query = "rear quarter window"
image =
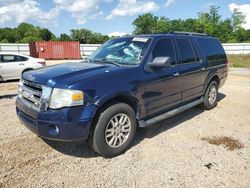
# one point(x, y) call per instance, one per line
point(20, 58)
point(214, 51)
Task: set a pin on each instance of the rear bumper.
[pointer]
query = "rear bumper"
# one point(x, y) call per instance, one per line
point(223, 79)
point(67, 124)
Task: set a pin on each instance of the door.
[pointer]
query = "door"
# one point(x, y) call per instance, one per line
point(12, 66)
point(162, 89)
point(190, 69)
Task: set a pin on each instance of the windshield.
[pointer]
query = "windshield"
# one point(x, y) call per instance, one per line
point(128, 51)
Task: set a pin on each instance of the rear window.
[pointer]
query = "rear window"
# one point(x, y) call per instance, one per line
point(213, 50)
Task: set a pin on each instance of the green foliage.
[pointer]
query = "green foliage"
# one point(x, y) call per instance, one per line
point(238, 18)
point(211, 23)
point(25, 33)
point(65, 37)
point(227, 30)
point(146, 23)
point(86, 36)
point(45, 34)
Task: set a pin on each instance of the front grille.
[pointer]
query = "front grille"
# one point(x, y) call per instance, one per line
point(31, 93)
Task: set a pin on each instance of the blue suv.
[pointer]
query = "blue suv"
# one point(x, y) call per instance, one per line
point(129, 82)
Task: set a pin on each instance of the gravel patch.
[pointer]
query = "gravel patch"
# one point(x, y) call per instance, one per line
point(170, 154)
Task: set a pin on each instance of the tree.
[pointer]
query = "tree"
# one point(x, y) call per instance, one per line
point(163, 25)
point(238, 18)
point(145, 24)
point(214, 15)
point(45, 34)
point(65, 37)
point(86, 36)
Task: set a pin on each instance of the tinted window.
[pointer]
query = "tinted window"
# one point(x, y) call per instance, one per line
point(7, 58)
point(197, 57)
point(164, 48)
point(12, 58)
point(20, 58)
point(213, 50)
point(186, 51)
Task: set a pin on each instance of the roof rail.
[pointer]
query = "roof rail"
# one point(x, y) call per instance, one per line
point(188, 33)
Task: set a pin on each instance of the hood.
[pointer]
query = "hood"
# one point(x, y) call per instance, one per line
point(64, 75)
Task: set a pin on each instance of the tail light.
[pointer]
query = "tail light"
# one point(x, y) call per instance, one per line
point(42, 63)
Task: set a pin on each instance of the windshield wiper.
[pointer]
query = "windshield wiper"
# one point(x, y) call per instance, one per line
point(104, 60)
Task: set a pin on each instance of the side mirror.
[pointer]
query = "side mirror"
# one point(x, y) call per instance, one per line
point(160, 62)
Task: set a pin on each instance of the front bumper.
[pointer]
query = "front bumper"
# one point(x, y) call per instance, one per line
point(66, 124)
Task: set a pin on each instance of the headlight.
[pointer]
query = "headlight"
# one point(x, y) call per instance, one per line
point(20, 84)
point(66, 98)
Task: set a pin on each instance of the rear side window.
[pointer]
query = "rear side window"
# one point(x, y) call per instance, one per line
point(20, 58)
point(164, 48)
point(186, 51)
point(213, 50)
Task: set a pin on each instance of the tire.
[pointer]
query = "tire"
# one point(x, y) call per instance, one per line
point(116, 122)
point(210, 97)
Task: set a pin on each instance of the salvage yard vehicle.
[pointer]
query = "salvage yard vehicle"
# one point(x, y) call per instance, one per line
point(12, 65)
point(129, 82)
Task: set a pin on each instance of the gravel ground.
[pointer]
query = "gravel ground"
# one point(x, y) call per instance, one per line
point(174, 153)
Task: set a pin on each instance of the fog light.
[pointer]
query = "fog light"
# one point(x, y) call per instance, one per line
point(53, 130)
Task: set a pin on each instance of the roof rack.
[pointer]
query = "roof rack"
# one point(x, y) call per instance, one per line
point(188, 33)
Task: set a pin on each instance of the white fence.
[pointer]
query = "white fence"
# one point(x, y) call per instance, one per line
point(237, 48)
point(87, 49)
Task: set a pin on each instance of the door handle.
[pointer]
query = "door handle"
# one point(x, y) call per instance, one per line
point(21, 63)
point(176, 74)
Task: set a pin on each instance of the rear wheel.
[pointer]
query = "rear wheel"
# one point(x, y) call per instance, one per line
point(114, 131)
point(210, 97)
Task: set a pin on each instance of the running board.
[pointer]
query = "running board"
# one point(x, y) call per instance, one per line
point(169, 114)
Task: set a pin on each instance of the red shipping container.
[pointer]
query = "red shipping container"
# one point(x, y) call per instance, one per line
point(55, 49)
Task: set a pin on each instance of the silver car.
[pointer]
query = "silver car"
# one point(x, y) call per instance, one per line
point(13, 65)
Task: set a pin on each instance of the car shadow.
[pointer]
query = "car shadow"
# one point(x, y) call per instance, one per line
point(83, 150)
point(80, 149)
point(9, 81)
point(8, 96)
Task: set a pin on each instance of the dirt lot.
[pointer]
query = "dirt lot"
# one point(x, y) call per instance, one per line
point(194, 149)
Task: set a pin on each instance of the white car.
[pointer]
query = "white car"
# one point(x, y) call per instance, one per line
point(13, 65)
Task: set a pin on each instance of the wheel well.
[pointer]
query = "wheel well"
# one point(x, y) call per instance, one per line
point(132, 102)
point(215, 78)
point(25, 70)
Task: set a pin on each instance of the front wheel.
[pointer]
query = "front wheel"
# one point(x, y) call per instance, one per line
point(115, 130)
point(210, 97)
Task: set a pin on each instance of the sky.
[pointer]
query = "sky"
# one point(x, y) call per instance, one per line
point(112, 17)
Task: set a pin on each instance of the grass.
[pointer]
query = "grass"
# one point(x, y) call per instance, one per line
point(239, 61)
